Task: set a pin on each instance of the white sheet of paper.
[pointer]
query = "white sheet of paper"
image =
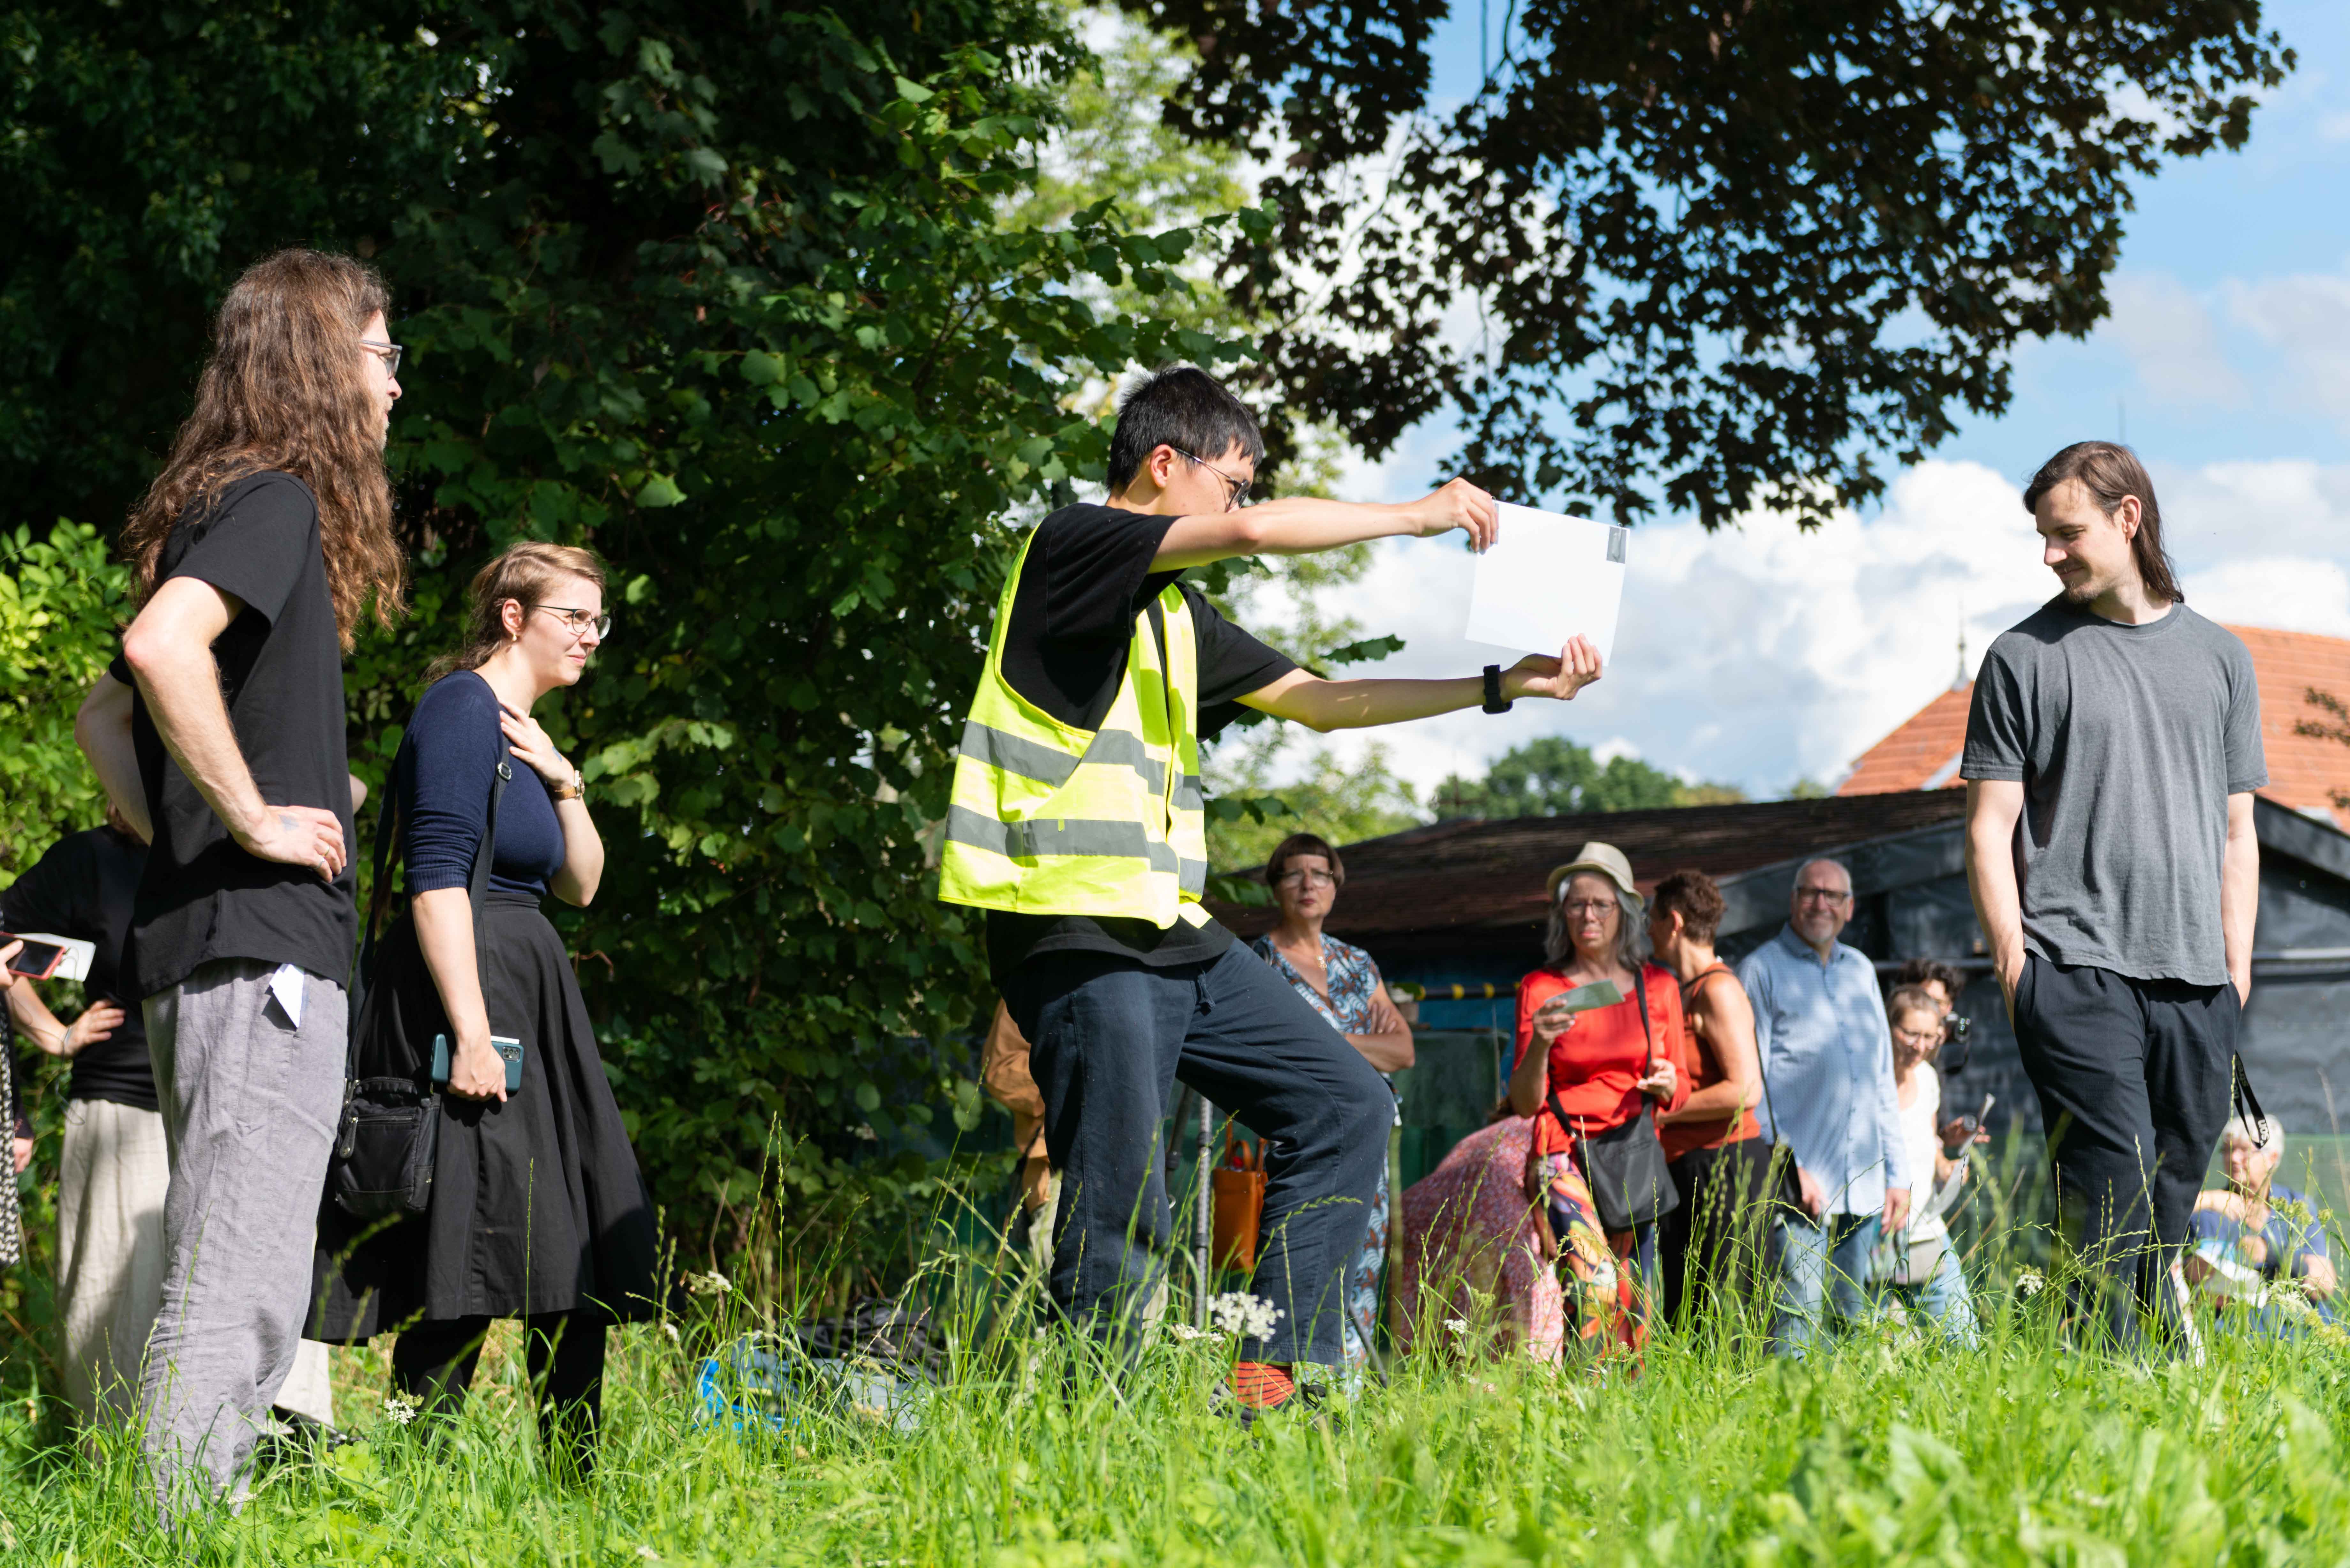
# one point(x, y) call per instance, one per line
point(1549, 577)
point(286, 985)
point(75, 964)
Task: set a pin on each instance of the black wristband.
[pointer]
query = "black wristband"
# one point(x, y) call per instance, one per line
point(1494, 702)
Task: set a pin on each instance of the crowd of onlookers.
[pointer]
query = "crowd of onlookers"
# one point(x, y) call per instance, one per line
point(1677, 1131)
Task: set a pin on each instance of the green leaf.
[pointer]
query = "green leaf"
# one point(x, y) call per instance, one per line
point(660, 490)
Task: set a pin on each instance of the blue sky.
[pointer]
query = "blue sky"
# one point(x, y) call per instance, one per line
point(1758, 656)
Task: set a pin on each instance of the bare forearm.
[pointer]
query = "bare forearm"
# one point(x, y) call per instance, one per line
point(2240, 894)
point(103, 730)
point(1327, 705)
point(33, 1016)
point(184, 697)
point(444, 932)
point(1389, 1052)
point(1714, 1103)
point(1293, 525)
point(1991, 881)
point(583, 853)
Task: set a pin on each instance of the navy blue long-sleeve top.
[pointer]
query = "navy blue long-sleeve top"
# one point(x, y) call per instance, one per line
point(443, 777)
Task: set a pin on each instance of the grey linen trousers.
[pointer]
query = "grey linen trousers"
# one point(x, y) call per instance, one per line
point(250, 1097)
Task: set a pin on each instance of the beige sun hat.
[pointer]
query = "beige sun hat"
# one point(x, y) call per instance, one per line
point(1601, 860)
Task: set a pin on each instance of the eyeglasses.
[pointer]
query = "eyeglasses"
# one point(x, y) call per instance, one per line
point(1821, 895)
point(581, 621)
point(1919, 1039)
point(1306, 879)
point(388, 352)
point(1582, 907)
point(1239, 486)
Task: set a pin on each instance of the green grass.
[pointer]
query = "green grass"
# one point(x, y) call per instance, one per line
point(1884, 1451)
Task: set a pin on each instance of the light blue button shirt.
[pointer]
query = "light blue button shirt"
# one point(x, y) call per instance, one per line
point(1827, 1068)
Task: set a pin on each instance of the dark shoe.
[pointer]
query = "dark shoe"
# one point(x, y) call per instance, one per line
point(292, 1438)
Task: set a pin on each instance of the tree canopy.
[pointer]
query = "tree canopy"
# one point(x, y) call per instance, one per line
point(722, 292)
point(1553, 776)
point(1693, 256)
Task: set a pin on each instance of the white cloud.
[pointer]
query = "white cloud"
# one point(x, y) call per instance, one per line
point(2292, 594)
point(1761, 653)
point(2306, 319)
point(2170, 335)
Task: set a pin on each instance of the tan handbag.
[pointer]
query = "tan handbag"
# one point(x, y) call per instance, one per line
point(1238, 1186)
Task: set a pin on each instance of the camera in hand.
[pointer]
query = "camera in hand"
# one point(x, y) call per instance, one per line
point(1966, 1128)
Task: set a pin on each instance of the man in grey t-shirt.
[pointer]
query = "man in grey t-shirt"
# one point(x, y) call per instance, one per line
point(2111, 757)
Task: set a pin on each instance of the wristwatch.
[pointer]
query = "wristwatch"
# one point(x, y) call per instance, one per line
point(575, 789)
point(1494, 702)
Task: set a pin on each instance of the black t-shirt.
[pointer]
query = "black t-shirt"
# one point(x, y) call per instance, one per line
point(84, 888)
point(1087, 577)
point(281, 669)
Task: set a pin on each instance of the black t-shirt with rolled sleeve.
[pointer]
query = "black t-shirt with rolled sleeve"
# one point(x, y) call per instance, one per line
point(1087, 577)
point(202, 897)
point(84, 888)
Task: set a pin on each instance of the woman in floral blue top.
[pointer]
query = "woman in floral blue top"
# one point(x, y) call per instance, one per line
point(1344, 986)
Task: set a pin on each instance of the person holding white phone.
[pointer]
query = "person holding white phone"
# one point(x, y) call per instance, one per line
point(538, 1208)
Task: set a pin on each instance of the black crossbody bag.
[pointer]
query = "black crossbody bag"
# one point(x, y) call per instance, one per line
point(390, 1132)
point(1625, 1166)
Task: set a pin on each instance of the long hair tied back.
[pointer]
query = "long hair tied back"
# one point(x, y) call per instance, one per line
point(286, 389)
point(525, 573)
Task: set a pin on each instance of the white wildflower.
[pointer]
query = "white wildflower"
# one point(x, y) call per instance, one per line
point(648, 1554)
point(1186, 1334)
point(713, 1283)
point(399, 1409)
point(1456, 1325)
point(1251, 1317)
point(670, 1329)
point(2028, 1282)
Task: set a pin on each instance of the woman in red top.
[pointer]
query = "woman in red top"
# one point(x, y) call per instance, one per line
point(1584, 1074)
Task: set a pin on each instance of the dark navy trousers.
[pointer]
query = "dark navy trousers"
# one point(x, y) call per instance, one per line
point(1110, 1038)
point(2134, 1079)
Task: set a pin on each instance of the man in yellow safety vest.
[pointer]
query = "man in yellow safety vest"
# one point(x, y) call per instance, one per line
point(1077, 822)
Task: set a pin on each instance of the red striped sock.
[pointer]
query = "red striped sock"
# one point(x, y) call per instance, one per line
point(1261, 1384)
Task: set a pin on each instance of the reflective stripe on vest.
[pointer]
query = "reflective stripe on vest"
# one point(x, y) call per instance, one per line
point(1047, 818)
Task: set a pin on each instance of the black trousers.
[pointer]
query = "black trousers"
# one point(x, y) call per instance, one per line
point(1110, 1038)
point(1721, 1238)
point(2133, 1077)
point(432, 1362)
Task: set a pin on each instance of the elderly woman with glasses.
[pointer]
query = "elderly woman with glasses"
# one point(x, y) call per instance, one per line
point(1591, 1074)
point(1341, 983)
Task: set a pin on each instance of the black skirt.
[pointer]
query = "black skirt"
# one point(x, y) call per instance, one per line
point(538, 1203)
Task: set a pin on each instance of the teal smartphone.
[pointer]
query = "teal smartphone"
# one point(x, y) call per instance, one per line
point(509, 1052)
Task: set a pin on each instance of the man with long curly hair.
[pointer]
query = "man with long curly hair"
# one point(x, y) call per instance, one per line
point(219, 734)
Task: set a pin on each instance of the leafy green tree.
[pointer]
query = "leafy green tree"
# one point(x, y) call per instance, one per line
point(724, 292)
point(1701, 256)
point(1344, 802)
point(1553, 776)
point(60, 599)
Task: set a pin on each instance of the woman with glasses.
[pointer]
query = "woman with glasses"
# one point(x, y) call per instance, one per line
point(1341, 983)
point(537, 1209)
point(1918, 1266)
point(1591, 1074)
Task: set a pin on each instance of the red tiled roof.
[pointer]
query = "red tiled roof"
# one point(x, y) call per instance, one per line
point(1474, 874)
point(1922, 754)
point(2304, 771)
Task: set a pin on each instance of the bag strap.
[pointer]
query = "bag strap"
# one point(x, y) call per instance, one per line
point(1648, 1034)
point(2248, 1104)
point(477, 886)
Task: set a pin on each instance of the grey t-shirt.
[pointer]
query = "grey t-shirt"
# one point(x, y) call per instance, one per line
point(2128, 741)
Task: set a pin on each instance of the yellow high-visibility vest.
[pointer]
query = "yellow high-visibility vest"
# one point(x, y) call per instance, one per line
point(1048, 819)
